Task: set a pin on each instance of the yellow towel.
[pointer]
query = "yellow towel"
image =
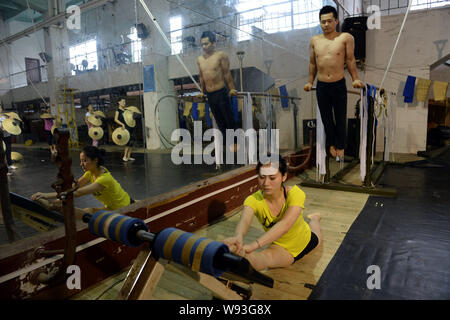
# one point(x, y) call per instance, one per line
point(201, 110)
point(423, 85)
point(440, 90)
point(187, 108)
point(240, 104)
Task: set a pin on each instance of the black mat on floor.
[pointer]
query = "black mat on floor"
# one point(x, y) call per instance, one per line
point(408, 237)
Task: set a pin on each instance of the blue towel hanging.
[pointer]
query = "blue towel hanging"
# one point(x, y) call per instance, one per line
point(283, 93)
point(408, 92)
point(195, 111)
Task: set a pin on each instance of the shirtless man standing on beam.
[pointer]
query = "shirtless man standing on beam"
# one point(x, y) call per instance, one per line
point(328, 53)
point(214, 70)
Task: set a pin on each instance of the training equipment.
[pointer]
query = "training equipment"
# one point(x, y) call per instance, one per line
point(133, 109)
point(11, 126)
point(13, 115)
point(121, 136)
point(96, 133)
point(129, 120)
point(47, 116)
point(16, 156)
point(94, 120)
point(99, 114)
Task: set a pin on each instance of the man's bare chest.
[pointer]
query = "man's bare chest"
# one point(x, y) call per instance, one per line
point(326, 47)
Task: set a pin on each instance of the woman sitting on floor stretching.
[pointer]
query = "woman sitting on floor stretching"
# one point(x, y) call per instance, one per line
point(102, 185)
point(279, 210)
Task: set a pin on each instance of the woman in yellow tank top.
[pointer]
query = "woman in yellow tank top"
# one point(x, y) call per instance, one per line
point(279, 210)
point(97, 180)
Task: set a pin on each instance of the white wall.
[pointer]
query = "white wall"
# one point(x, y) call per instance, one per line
point(415, 53)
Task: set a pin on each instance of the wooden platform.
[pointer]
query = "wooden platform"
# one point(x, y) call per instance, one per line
point(338, 209)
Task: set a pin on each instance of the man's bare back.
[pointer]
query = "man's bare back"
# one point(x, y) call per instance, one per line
point(212, 71)
point(330, 56)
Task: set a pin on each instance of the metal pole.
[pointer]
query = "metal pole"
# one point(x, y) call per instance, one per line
point(240, 55)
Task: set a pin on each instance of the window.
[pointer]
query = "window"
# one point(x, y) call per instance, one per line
point(136, 45)
point(83, 56)
point(276, 15)
point(428, 4)
point(176, 34)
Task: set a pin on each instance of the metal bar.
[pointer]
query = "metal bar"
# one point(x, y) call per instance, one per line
point(341, 173)
point(4, 194)
point(387, 192)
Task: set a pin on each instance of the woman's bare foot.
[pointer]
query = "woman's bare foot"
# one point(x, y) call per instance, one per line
point(314, 216)
point(314, 224)
point(340, 153)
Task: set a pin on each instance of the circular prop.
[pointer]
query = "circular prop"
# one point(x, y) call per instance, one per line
point(46, 116)
point(99, 114)
point(14, 116)
point(133, 109)
point(11, 127)
point(96, 133)
point(95, 121)
point(121, 136)
point(129, 120)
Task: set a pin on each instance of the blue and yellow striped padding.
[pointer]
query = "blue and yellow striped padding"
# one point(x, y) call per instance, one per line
point(190, 250)
point(117, 227)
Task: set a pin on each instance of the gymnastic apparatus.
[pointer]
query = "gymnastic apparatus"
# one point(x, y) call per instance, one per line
point(200, 258)
point(371, 176)
point(4, 194)
point(24, 263)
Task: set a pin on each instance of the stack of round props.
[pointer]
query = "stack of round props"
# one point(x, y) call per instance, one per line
point(14, 116)
point(46, 116)
point(129, 119)
point(15, 156)
point(133, 109)
point(96, 133)
point(99, 114)
point(121, 136)
point(94, 120)
point(11, 126)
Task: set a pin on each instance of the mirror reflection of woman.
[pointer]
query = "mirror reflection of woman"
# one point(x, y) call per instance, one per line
point(97, 180)
point(89, 113)
point(7, 140)
point(120, 120)
point(280, 211)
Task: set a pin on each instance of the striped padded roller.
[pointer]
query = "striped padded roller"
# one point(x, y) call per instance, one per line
point(117, 227)
point(190, 250)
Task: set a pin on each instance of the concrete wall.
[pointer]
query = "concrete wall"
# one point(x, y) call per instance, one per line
point(416, 51)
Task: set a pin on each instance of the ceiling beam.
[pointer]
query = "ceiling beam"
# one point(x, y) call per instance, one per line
point(60, 18)
point(32, 4)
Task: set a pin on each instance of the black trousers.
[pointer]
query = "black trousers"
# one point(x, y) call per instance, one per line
point(220, 103)
point(332, 100)
point(8, 149)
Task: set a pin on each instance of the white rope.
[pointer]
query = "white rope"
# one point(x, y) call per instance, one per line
point(168, 42)
point(396, 43)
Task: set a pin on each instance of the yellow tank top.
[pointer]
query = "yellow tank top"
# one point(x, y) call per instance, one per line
point(112, 196)
point(299, 235)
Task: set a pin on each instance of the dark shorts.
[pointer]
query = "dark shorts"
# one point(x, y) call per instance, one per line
point(311, 245)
